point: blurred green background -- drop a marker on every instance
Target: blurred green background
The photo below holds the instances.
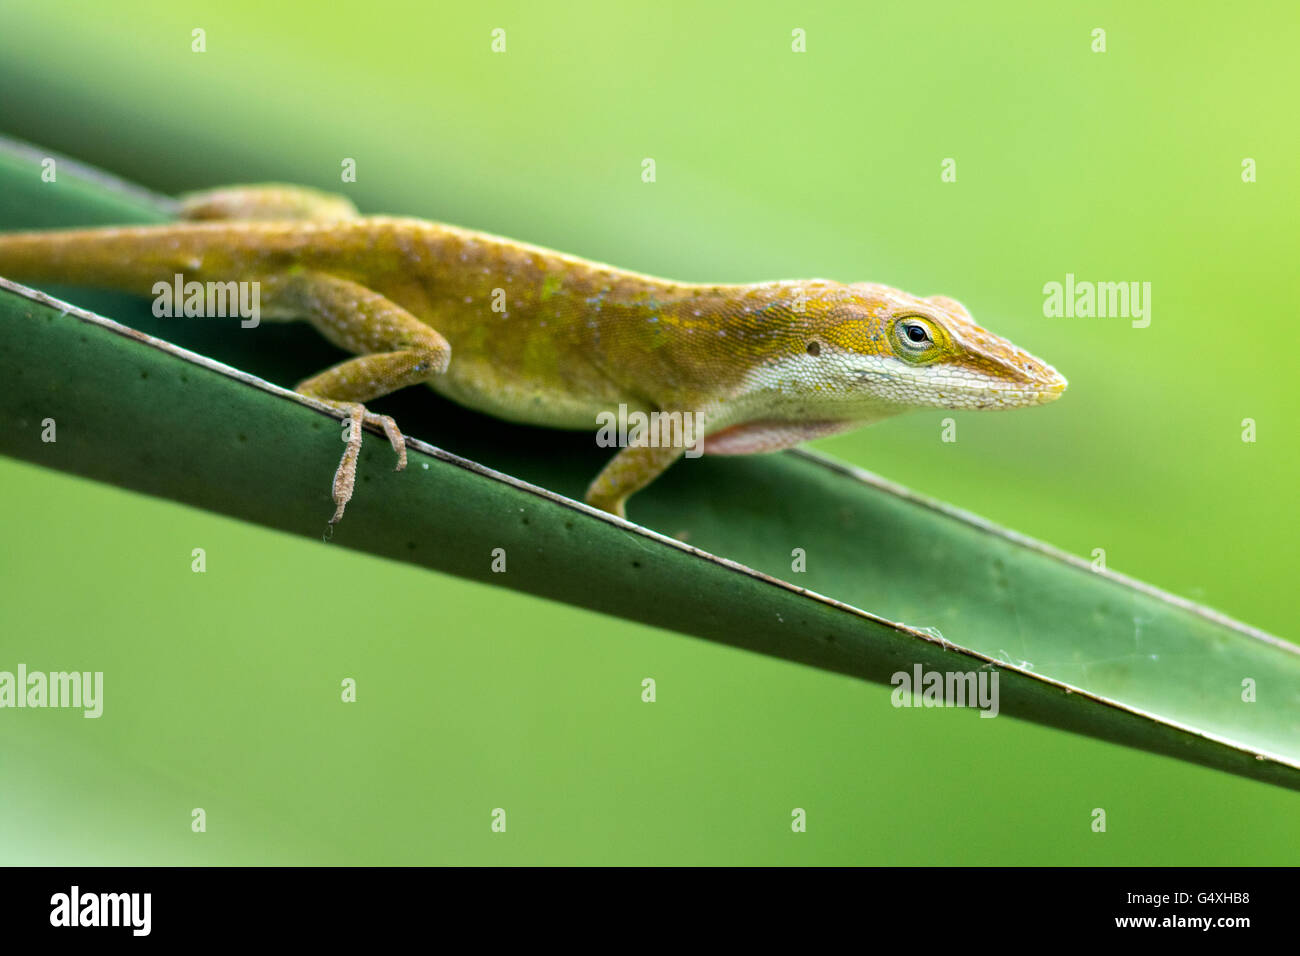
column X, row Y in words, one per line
column 222, row 688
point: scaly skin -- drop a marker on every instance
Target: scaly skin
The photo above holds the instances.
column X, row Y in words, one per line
column 766, row 365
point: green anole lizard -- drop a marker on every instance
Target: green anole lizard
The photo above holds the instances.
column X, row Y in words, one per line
column 530, row 335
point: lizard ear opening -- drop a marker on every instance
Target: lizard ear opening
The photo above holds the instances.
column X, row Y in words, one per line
column 814, row 348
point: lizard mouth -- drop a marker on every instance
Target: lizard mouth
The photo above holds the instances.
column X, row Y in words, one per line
column 992, row 396
column 1032, row 384
column 947, row 387
column 1054, row 386
column 1019, row 396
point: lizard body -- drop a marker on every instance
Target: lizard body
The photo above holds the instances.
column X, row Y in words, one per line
column 536, row 336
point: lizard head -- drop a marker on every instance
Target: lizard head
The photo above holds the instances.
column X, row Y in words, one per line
column 881, row 347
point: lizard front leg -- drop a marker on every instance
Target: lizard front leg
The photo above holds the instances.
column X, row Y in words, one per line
column 628, row 472
column 396, row 350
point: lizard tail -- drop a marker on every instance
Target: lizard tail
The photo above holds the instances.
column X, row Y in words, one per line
column 128, row 259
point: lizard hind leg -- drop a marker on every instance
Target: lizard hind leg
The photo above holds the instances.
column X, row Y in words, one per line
column 394, row 349
column 269, row 201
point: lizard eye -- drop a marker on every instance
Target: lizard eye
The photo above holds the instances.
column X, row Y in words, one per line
column 915, row 339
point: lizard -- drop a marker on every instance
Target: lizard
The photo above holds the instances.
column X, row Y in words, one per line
column 535, row 336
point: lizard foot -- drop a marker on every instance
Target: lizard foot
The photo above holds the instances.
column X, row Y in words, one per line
column 345, row 478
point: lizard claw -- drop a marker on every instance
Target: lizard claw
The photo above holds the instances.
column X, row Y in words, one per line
column 345, row 477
